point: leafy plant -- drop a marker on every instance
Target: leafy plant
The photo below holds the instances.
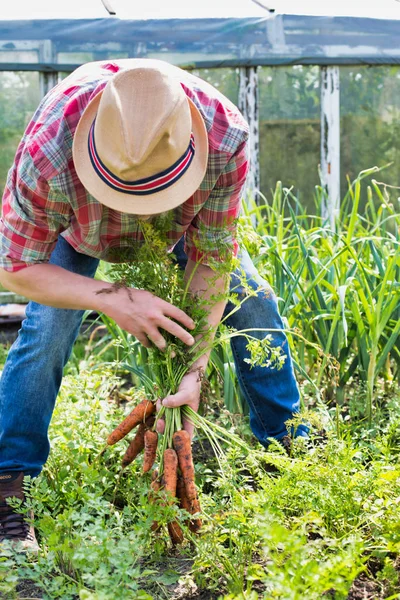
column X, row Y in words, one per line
column 339, row 288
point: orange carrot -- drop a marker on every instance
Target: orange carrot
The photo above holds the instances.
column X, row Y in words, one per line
column 181, row 494
column 191, row 507
column 195, row 524
column 182, row 444
column 150, row 450
column 144, row 409
column 175, row 532
column 135, row 447
column 170, row 479
column 170, row 471
column 155, row 488
column 138, row 442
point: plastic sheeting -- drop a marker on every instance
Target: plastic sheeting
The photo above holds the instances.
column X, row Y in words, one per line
column 272, row 40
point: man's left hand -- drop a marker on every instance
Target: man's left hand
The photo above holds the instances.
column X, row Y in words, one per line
column 188, row 393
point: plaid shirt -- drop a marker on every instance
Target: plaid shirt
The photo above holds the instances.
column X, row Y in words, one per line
column 44, row 198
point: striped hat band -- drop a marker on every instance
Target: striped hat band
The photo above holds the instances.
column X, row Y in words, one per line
column 148, row 185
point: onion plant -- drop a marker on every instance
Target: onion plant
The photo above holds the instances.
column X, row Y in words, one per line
column 339, row 287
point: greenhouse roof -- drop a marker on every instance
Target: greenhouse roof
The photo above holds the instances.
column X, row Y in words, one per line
column 270, row 39
column 160, row 9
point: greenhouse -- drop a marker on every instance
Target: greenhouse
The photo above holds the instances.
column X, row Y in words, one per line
column 200, row 367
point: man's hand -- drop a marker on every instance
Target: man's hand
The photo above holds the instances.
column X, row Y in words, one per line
column 188, row 393
column 143, row 314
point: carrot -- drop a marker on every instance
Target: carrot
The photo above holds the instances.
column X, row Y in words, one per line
column 144, row 409
column 170, row 479
column 195, row 524
column 138, row 442
column 135, row 447
column 150, row 450
column 182, row 444
column 181, row 494
column 155, row 488
column 191, row 507
column 170, row 471
column 175, row 532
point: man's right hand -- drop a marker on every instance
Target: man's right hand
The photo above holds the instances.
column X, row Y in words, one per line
column 142, row 314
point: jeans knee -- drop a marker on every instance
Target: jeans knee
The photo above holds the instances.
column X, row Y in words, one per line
column 49, row 330
column 258, row 305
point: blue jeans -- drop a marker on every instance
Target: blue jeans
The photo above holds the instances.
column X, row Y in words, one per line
column 33, row 371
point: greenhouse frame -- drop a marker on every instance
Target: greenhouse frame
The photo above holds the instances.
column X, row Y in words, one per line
column 247, row 48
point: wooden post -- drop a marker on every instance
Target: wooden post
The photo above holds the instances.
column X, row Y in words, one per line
column 330, row 143
column 47, row 55
column 248, row 105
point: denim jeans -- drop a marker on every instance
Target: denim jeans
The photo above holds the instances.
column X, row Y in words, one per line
column 33, row 371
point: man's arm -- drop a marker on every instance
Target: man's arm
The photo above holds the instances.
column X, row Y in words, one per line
column 211, row 236
column 137, row 311
column 208, row 285
column 204, row 283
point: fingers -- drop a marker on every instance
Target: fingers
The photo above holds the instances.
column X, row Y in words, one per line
column 147, row 315
column 156, row 338
column 176, row 330
column 176, row 313
column 144, row 340
column 178, row 399
column 160, row 425
column 189, row 427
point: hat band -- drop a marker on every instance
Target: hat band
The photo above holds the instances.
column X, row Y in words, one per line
column 148, row 185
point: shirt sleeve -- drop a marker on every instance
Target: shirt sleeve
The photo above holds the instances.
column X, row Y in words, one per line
column 33, row 216
column 212, row 234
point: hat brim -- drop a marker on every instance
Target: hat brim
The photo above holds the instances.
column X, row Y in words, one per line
column 150, row 204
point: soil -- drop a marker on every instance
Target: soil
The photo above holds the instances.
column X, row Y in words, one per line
column 365, row 589
column 26, row 589
column 202, row 451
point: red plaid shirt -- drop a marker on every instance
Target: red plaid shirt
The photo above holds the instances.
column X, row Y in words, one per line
column 44, row 198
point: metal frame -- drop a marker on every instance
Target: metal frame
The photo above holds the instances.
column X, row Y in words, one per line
column 248, row 105
column 47, row 80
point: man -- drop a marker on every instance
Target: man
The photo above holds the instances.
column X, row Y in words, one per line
column 112, row 143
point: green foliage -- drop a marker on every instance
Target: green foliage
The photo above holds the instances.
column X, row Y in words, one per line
column 274, row 526
column 148, row 265
column 19, row 96
column 289, row 105
column 339, row 289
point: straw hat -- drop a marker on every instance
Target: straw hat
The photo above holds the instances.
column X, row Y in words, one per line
column 141, row 145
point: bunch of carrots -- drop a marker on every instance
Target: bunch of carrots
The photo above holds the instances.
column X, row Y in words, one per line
column 153, row 269
column 175, row 476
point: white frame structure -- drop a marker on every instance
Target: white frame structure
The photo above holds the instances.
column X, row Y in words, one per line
column 330, row 143
column 330, row 135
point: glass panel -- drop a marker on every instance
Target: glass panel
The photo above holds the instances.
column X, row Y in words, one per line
column 77, row 58
column 18, row 56
column 289, row 103
column 74, row 58
column 370, row 122
column 19, row 97
column 225, row 80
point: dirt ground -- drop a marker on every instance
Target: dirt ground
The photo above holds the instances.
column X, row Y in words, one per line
column 361, row 589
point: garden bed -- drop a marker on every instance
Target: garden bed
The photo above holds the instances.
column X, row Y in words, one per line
column 317, row 520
